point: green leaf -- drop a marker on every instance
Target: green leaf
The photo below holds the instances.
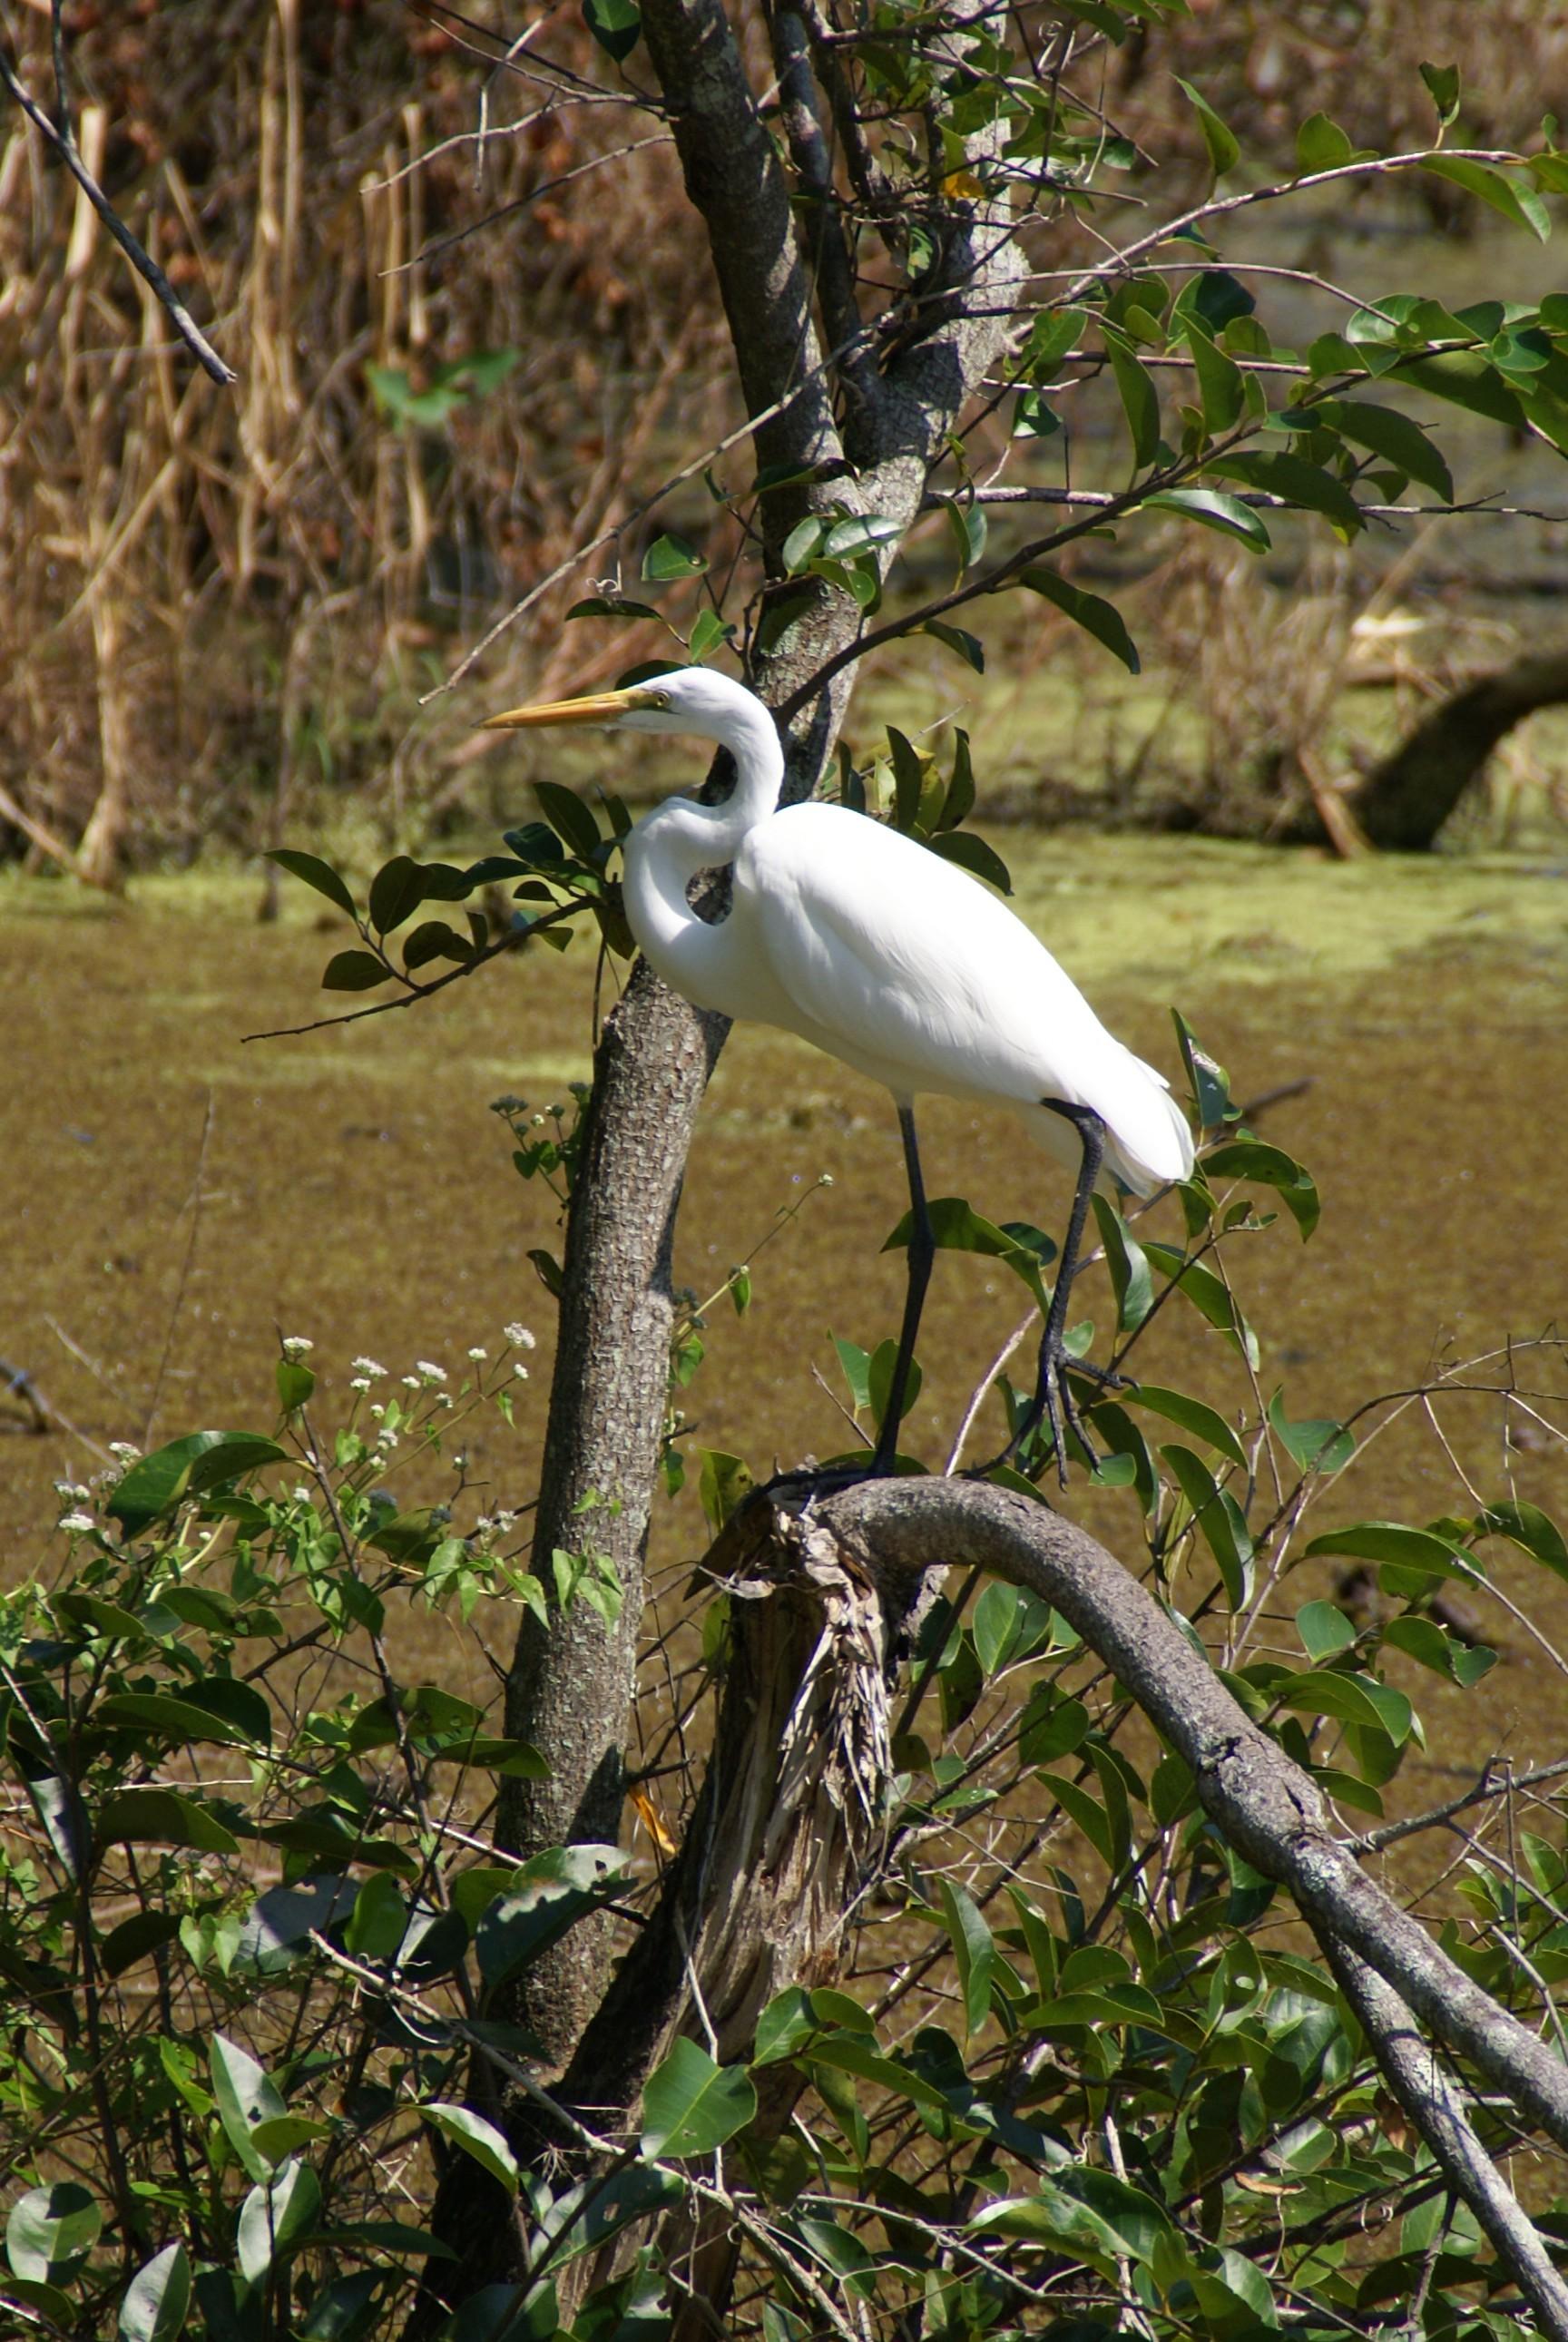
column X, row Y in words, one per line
column 475, row 2136
column 162, row 1817
column 50, row 2230
column 1132, row 1281
column 353, row 971
column 957, row 1226
column 615, row 25
column 860, row 533
column 1208, row 1295
column 1251, row 1158
column 157, row 2297
column 1221, row 387
column 1217, row 510
column 1322, row 144
column 972, row 853
column 245, row 2097
column 723, row 1485
column 564, row 810
column 959, row 803
column 1054, row 333
column 1528, row 1527
column 969, row 647
column 1406, row 1548
column 1096, row 617
column 610, row 605
column 1442, row 84
column 395, row 893
column 1425, row 1641
column 691, row 2104
column 671, row 559
column 316, row 873
column 856, row 1364
column 966, row 526
column 169, row 1718
column 1219, row 1520
column 1193, row 1416
column 273, row 2217
column 785, row 2024
column 1356, row 1699
column 1393, row 436
column 548, row 1895
column 1521, row 204
column 134, row 1939
column 1298, row 481
column 1140, row 400
column 1225, row 153
column 187, row 1468
column 999, row 1617
column 1324, row 1630
column 709, row 633
column 1315, row 1445
column 908, row 769
column 1467, row 379
column 802, row 544
column 973, row 1950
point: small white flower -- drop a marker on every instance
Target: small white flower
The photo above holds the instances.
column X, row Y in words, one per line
column 73, row 1491
column 484, row 1525
column 294, row 1346
column 478, row 1352
column 826, row 1179
column 504, row 1520
column 378, row 1411
column 428, row 1372
column 123, row 1450
column 386, row 1438
column 368, row 1367
column 77, row 1523
column 303, row 1494
column 410, row 1382
column 444, row 1398
column 518, row 1335
column 520, row 1370
column 359, row 1382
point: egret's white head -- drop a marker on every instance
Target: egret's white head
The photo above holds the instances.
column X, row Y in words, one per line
column 690, row 699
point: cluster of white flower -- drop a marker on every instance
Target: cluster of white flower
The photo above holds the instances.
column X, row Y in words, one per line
column 76, row 1523
column 428, row 1372
column 386, row 1438
column 368, row 1367
column 294, row 1346
column 478, row 1352
column 124, row 1451
column 518, row 1335
column 73, row 1491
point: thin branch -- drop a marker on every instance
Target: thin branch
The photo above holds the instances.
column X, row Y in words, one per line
column 62, row 138
column 1488, row 1787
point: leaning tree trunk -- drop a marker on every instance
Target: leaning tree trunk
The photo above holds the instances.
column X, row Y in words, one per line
column 1403, row 801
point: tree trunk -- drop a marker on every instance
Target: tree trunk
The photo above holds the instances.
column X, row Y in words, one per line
column 1403, row 801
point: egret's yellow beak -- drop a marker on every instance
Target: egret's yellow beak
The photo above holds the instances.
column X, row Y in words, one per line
column 595, row 708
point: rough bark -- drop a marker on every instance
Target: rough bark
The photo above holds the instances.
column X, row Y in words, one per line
column 1404, row 801
column 570, row 1688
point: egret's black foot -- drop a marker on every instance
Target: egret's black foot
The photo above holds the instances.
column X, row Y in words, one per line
column 1054, row 1404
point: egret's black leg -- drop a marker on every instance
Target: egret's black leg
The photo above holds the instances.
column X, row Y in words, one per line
column 922, row 1253
column 1052, row 1401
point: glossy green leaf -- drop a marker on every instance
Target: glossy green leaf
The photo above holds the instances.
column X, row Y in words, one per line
column 691, row 2104
column 1220, row 1521
column 1408, row 1548
column 1221, row 388
column 1225, row 153
column 1443, row 86
column 617, row 26
column 354, row 971
column 1467, row 379
column 1519, row 204
column 162, row 1817
column 169, row 1716
column 1132, row 1280
column 1208, row 1295
column 1324, row 1630
column 973, row 1950
column 802, row 542
column 396, row 891
column 1091, row 611
column 476, row 2137
column 569, row 818
column 1322, row 144
column 1140, row 400
column 785, row 2026
column 1386, row 433
column 245, row 2097
column 1191, row 1415
column 158, row 2297
column 136, row 1938
column 1213, row 508
column 610, row 605
column 972, row 853
column 1356, row 1699
column 314, row 873
column 709, row 633
column 273, row 2216
column 1526, row 1526
column 1315, row 1445
column 1253, row 1158
column 957, row 1226
column 969, row 647
column 50, row 2230
column 1295, row 482
column 670, row 558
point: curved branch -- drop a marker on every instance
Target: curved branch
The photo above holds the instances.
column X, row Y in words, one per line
column 1266, row 1805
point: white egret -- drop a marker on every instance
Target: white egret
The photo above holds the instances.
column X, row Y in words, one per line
column 884, row 955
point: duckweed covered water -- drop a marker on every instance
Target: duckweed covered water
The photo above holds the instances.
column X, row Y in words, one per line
column 177, row 1198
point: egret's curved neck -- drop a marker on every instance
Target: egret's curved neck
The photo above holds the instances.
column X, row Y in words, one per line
column 667, row 849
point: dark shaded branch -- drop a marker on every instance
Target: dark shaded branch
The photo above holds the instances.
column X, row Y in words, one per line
column 1437, row 2112
column 1404, row 801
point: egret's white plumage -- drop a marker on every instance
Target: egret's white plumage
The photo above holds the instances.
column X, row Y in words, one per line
column 874, row 948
